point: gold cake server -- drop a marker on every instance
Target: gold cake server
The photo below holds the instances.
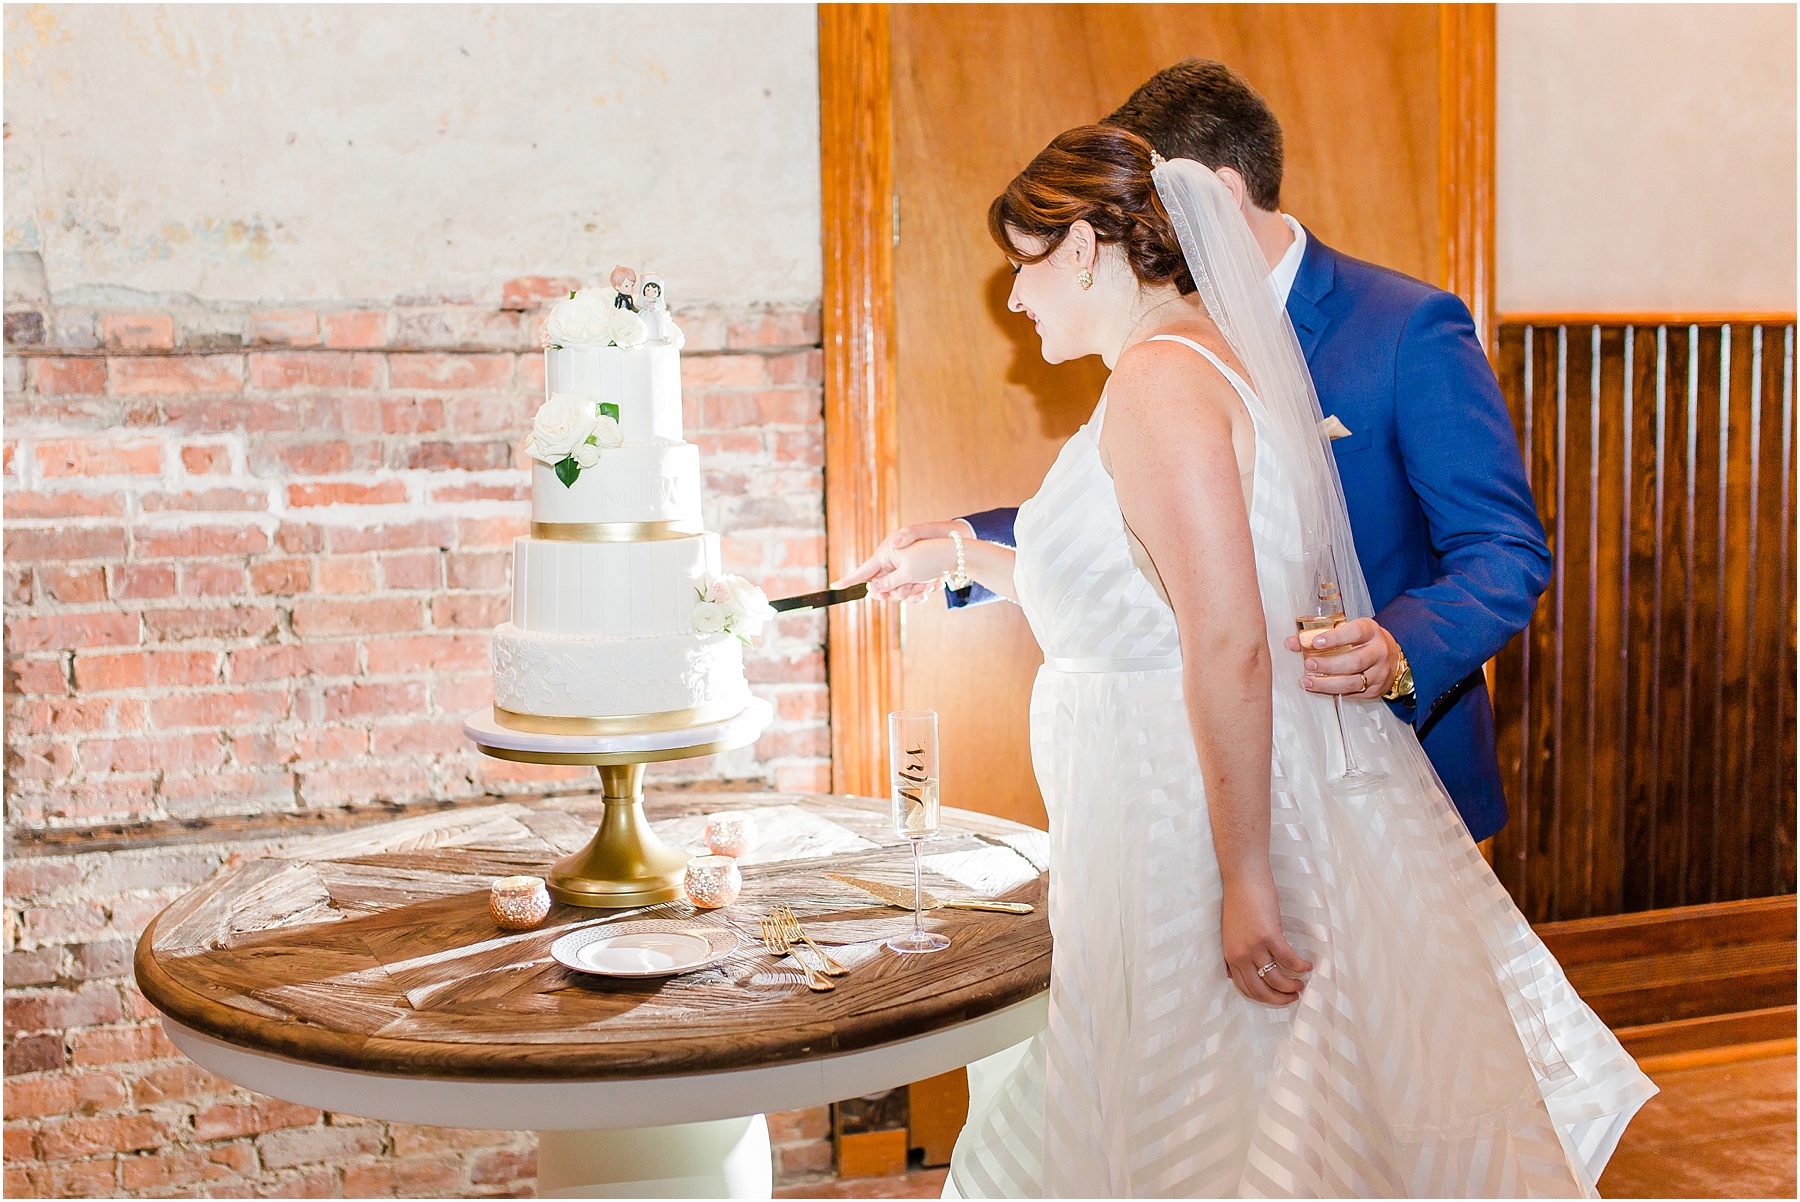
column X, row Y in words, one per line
column 901, row 896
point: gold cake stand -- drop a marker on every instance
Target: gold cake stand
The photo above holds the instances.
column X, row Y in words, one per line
column 625, row 863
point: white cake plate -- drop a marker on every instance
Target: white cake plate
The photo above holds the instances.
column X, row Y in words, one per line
column 624, row 864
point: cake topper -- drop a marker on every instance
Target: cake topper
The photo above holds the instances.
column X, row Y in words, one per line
column 625, row 283
column 650, row 293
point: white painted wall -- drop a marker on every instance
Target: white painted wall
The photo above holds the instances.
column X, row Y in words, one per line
column 1645, row 157
column 239, row 152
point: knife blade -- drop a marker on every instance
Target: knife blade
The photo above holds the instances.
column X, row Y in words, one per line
column 819, row 600
column 898, row 895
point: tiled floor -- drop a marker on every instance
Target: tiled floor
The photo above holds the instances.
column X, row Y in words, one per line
column 1725, row 1131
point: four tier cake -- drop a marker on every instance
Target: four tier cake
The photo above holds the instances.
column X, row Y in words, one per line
column 621, row 619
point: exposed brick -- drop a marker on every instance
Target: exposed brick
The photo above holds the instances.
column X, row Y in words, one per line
column 503, row 1166
column 66, row 542
column 82, row 714
column 56, row 1009
column 803, row 778
column 68, row 1139
column 44, row 677
column 478, row 569
column 803, row 704
column 348, row 539
column 176, row 373
column 342, row 786
column 168, row 752
column 346, row 574
column 286, row 660
column 99, row 457
column 800, row 1126
column 35, row 1053
column 373, row 700
column 427, row 653
column 285, row 327
column 311, row 1145
column 64, row 631
column 388, row 492
column 70, row 585
column 281, row 577
column 69, row 377
column 213, row 579
column 417, row 1177
column 702, row 372
column 138, row 331
column 210, row 500
column 533, row 291
column 312, row 458
column 464, row 610
column 64, row 503
column 313, row 618
column 235, row 622
column 30, row 877
column 356, row 328
column 432, row 370
column 205, row 460
column 223, row 708
column 81, row 1179
column 490, row 532
column 79, row 1093
column 137, row 669
column 171, row 1166
column 100, row 960
column 219, row 414
column 24, row 328
column 418, row 738
column 40, row 967
column 134, row 581
column 801, row 367
column 286, row 370
column 441, row 456
column 166, row 542
column 121, row 1045
column 411, row 415
column 776, row 327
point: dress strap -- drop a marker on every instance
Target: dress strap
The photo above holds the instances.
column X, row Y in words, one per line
column 1236, row 380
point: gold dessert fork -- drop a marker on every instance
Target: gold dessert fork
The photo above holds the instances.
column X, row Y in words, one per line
column 790, row 923
column 776, row 941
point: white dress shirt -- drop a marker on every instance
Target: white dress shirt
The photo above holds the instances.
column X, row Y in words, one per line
column 1281, row 279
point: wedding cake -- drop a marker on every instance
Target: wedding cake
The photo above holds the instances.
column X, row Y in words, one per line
column 621, row 618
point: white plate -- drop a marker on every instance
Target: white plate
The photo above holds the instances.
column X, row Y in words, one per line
column 644, row 949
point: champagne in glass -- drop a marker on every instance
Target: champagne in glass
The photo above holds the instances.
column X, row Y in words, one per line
column 1325, row 611
column 913, row 788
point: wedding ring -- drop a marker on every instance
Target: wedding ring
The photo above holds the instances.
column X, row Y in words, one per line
column 1364, row 677
column 1266, row 969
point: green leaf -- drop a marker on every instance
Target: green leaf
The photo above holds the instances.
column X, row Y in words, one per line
column 568, row 471
column 571, row 294
column 608, row 409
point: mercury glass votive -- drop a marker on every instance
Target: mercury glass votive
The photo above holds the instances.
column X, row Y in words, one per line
column 730, row 834
column 518, row 903
column 712, row 881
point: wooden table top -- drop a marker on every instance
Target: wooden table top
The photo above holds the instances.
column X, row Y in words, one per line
column 373, row 949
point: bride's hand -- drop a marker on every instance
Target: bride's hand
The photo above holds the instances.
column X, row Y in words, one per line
column 1253, row 938
column 901, row 569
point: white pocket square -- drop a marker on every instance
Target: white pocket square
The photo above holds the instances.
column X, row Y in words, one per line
column 1333, row 429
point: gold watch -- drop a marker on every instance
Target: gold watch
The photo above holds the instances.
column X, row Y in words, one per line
column 1403, row 680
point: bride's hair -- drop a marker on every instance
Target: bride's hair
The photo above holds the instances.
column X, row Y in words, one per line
column 1099, row 174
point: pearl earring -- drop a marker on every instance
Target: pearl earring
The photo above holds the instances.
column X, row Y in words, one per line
column 1085, row 278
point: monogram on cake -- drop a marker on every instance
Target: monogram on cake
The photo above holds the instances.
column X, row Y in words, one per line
column 622, row 621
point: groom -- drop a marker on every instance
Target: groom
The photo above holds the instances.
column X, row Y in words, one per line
column 1439, row 502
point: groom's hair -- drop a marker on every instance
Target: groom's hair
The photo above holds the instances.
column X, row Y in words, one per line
column 1203, row 110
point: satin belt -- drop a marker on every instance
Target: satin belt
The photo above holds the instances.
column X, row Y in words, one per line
column 1143, row 663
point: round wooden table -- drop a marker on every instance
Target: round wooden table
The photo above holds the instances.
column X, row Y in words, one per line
column 360, row 973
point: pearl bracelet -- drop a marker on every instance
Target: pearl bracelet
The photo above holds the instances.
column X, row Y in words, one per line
column 959, row 579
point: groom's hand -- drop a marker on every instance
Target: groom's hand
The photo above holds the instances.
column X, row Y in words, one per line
column 1360, row 660
column 879, row 569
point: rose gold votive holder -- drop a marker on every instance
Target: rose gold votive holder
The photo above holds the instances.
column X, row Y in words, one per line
column 712, row 881
column 730, row 834
column 518, row 903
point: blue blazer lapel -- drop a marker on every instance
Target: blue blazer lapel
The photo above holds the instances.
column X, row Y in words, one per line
column 1314, row 281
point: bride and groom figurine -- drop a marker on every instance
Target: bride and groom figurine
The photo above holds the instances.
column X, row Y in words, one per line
column 643, row 295
column 1265, row 981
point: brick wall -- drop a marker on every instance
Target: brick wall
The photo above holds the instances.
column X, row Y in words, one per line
column 252, row 559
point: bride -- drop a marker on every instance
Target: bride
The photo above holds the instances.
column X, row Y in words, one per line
column 1271, row 977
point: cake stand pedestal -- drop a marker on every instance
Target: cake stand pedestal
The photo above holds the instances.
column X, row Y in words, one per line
column 624, row 864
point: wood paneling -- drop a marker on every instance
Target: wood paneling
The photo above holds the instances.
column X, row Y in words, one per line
column 862, row 500
column 1646, row 716
column 1466, row 159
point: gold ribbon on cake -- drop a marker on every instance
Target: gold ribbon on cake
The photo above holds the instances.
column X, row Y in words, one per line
column 614, row 532
column 617, row 724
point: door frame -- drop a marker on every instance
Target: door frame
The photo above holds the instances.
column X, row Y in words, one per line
column 862, row 428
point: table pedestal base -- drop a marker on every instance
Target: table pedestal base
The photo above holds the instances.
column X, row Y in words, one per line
column 728, row 1158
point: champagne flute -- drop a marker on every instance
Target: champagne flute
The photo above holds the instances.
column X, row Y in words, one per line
column 913, row 788
column 1325, row 611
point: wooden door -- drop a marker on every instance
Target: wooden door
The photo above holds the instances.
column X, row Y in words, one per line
column 976, row 91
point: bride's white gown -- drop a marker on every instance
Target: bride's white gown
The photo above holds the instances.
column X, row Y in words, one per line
column 1437, row 1049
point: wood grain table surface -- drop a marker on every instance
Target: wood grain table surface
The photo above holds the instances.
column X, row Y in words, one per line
column 373, row 949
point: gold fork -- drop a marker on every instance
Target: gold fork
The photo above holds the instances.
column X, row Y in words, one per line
column 776, row 941
column 790, row 923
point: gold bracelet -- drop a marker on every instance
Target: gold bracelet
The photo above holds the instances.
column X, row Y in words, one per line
column 959, row 579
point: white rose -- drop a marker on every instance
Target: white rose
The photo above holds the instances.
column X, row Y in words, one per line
column 626, row 329
column 585, row 319
column 562, row 423
column 748, row 605
column 607, row 432
column 718, row 591
column 709, row 617
column 586, row 455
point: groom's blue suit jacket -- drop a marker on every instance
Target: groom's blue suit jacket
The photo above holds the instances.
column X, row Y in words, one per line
column 1439, row 501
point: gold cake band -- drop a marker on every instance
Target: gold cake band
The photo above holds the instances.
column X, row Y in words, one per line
column 614, row 532
column 619, row 724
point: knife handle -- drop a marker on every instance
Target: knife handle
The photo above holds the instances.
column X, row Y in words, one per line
column 996, row 907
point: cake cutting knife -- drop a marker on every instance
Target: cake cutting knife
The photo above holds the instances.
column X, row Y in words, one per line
column 896, row 895
column 830, row 596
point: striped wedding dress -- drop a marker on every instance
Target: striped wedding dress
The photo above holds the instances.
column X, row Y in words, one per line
column 1436, row 1050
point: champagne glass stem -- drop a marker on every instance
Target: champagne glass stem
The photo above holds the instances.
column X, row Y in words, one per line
column 1351, row 767
column 917, row 894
